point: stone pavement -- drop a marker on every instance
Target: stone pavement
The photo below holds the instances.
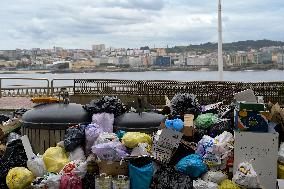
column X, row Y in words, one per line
column 13, row 103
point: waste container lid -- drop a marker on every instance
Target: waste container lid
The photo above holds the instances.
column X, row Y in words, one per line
column 57, row 114
column 135, row 121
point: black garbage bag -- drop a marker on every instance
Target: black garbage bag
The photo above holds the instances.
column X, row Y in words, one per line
column 199, row 133
column 15, row 156
column 185, row 104
column 166, row 177
column 279, row 129
column 89, row 181
column 219, row 127
column 108, row 104
column 3, row 118
column 19, row 112
column 74, row 137
column 182, row 151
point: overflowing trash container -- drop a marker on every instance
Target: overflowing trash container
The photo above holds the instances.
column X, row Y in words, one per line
column 107, row 145
column 46, row 124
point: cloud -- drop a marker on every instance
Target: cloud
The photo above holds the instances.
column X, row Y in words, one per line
column 133, row 23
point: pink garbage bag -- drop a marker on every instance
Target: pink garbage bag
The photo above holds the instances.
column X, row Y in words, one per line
column 110, row 151
column 105, row 121
column 70, row 181
column 92, row 132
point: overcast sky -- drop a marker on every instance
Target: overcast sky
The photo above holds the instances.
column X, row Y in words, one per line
column 135, row 23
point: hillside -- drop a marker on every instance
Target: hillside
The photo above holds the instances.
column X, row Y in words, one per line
column 234, row 46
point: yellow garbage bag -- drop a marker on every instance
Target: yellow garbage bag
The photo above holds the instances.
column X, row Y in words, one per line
column 19, row 178
column 228, row 184
column 280, row 171
column 55, row 158
column 132, row 139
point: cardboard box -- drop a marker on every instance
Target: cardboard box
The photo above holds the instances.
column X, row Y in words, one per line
column 188, row 129
column 250, row 106
column 251, row 120
column 280, row 183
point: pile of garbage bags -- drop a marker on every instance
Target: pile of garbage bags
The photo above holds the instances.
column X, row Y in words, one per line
column 107, row 104
column 98, row 156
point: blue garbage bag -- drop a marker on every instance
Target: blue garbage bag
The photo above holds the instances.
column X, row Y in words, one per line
column 141, row 177
column 192, row 165
column 120, row 134
column 176, row 124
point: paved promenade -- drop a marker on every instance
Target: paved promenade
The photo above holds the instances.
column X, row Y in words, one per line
column 12, row 103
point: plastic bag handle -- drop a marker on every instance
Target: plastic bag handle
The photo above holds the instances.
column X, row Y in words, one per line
column 121, row 177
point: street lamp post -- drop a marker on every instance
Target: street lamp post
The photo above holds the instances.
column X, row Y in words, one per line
column 220, row 42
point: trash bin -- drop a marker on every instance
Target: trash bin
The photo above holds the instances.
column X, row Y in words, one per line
column 45, row 125
column 139, row 122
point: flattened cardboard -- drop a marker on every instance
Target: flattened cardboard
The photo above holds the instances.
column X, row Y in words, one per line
column 27, row 147
column 247, row 96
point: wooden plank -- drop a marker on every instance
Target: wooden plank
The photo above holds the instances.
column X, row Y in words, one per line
column 57, row 136
column 52, row 140
column 44, row 137
column 37, row 138
column 33, row 138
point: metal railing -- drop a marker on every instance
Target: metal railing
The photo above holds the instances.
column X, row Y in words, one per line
column 24, row 91
column 154, row 90
column 54, row 90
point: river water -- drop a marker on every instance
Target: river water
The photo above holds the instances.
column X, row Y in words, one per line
column 244, row 76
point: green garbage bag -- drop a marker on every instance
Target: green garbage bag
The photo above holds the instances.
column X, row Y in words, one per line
column 205, row 121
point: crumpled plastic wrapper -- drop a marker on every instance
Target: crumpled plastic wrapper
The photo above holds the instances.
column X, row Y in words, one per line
column 12, row 136
column 214, row 176
column 105, row 138
column 77, row 154
column 76, row 167
column 36, row 166
column 215, row 151
column 185, row 104
column 50, row 181
column 140, row 150
column 281, row 153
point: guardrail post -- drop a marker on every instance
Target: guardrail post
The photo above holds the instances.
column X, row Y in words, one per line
column 0, row 88
column 48, row 88
column 51, row 88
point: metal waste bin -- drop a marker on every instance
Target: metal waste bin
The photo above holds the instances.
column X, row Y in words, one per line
column 147, row 122
column 46, row 125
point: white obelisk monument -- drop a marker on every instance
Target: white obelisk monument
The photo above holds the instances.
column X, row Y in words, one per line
column 220, row 41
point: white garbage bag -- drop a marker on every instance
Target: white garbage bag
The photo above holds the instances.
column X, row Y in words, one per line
column 201, row 184
column 245, row 176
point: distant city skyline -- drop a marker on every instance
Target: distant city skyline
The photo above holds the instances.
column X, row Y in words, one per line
column 135, row 23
